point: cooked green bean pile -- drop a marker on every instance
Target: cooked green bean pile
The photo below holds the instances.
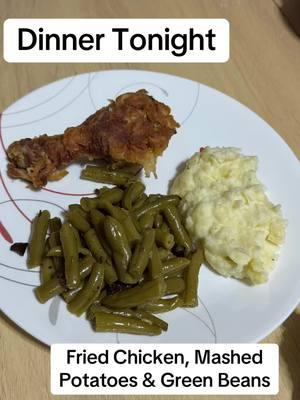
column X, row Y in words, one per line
column 119, row 257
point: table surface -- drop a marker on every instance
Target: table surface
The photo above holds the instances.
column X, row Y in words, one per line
column 262, row 73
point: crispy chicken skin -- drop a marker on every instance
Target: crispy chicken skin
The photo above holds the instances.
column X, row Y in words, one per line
column 134, row 128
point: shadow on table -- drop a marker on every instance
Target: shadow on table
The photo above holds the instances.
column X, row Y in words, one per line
column 290, row 14
column 290, row 351
column 20, row 331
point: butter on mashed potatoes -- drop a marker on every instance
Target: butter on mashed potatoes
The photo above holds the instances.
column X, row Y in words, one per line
column 225, row 206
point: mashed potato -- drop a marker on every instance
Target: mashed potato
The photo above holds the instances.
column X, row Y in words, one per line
column 225, row 206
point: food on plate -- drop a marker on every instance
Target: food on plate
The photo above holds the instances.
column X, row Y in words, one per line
column 135, row 128
column 37, row 242
column 225, row 207
column 118, row 257
column 105, row 174
column 19, row 248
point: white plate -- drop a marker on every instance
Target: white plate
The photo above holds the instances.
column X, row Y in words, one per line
column 229, row 311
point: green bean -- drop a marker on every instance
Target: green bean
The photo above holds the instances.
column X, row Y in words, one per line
column 71, row 294
column 146, row 221
column 90, row 291
column 116, row 237
column 94, row 308
column 147, row 317
column 88, row 204
column 101, row 296
column 69, row 247
column 100, row 191
column 38, row 239
column 174, row 198
column 97, row 217
column 106, row 322
column 126, row 312
column 123, row 275
column 132, row 193
column 154, row 196
column 80, row 210
column 164, row 227
column 164, row 254
column 49, row 289
column 156, row 205
column 54, row 286
column 54, row 224
column 85, row 266
column 175, row 285
column 132, row 169
column 110, row 275
column 84, row 251
column 136, row 222
column 124, row 218
column 181, row 236
column 139, row 202
column 47, row 247
column 140, row 294
column 163, row 305
column 132, row 232
column 158, row 221
column 120, row 236
column 55, row 251
column 47, row 270
column 142, row 252
column 112, row 196
column 103, row 241
column 95, row 246
column 127, row 278
column 174, row 265
column 191, row 279
column 164, row 239
column 140, row 314
column 77, row 237
column 154, row 263
column 78, row 221
column 54, row 240
column 102, row 175
column 118, row 242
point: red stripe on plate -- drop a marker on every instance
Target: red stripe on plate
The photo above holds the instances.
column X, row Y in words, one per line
column 2, row 180
column 5, row 233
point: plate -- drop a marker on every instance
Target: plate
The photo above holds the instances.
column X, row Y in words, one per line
column 228, row 311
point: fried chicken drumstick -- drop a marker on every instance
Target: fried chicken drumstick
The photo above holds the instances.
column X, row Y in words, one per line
column 135, row 128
